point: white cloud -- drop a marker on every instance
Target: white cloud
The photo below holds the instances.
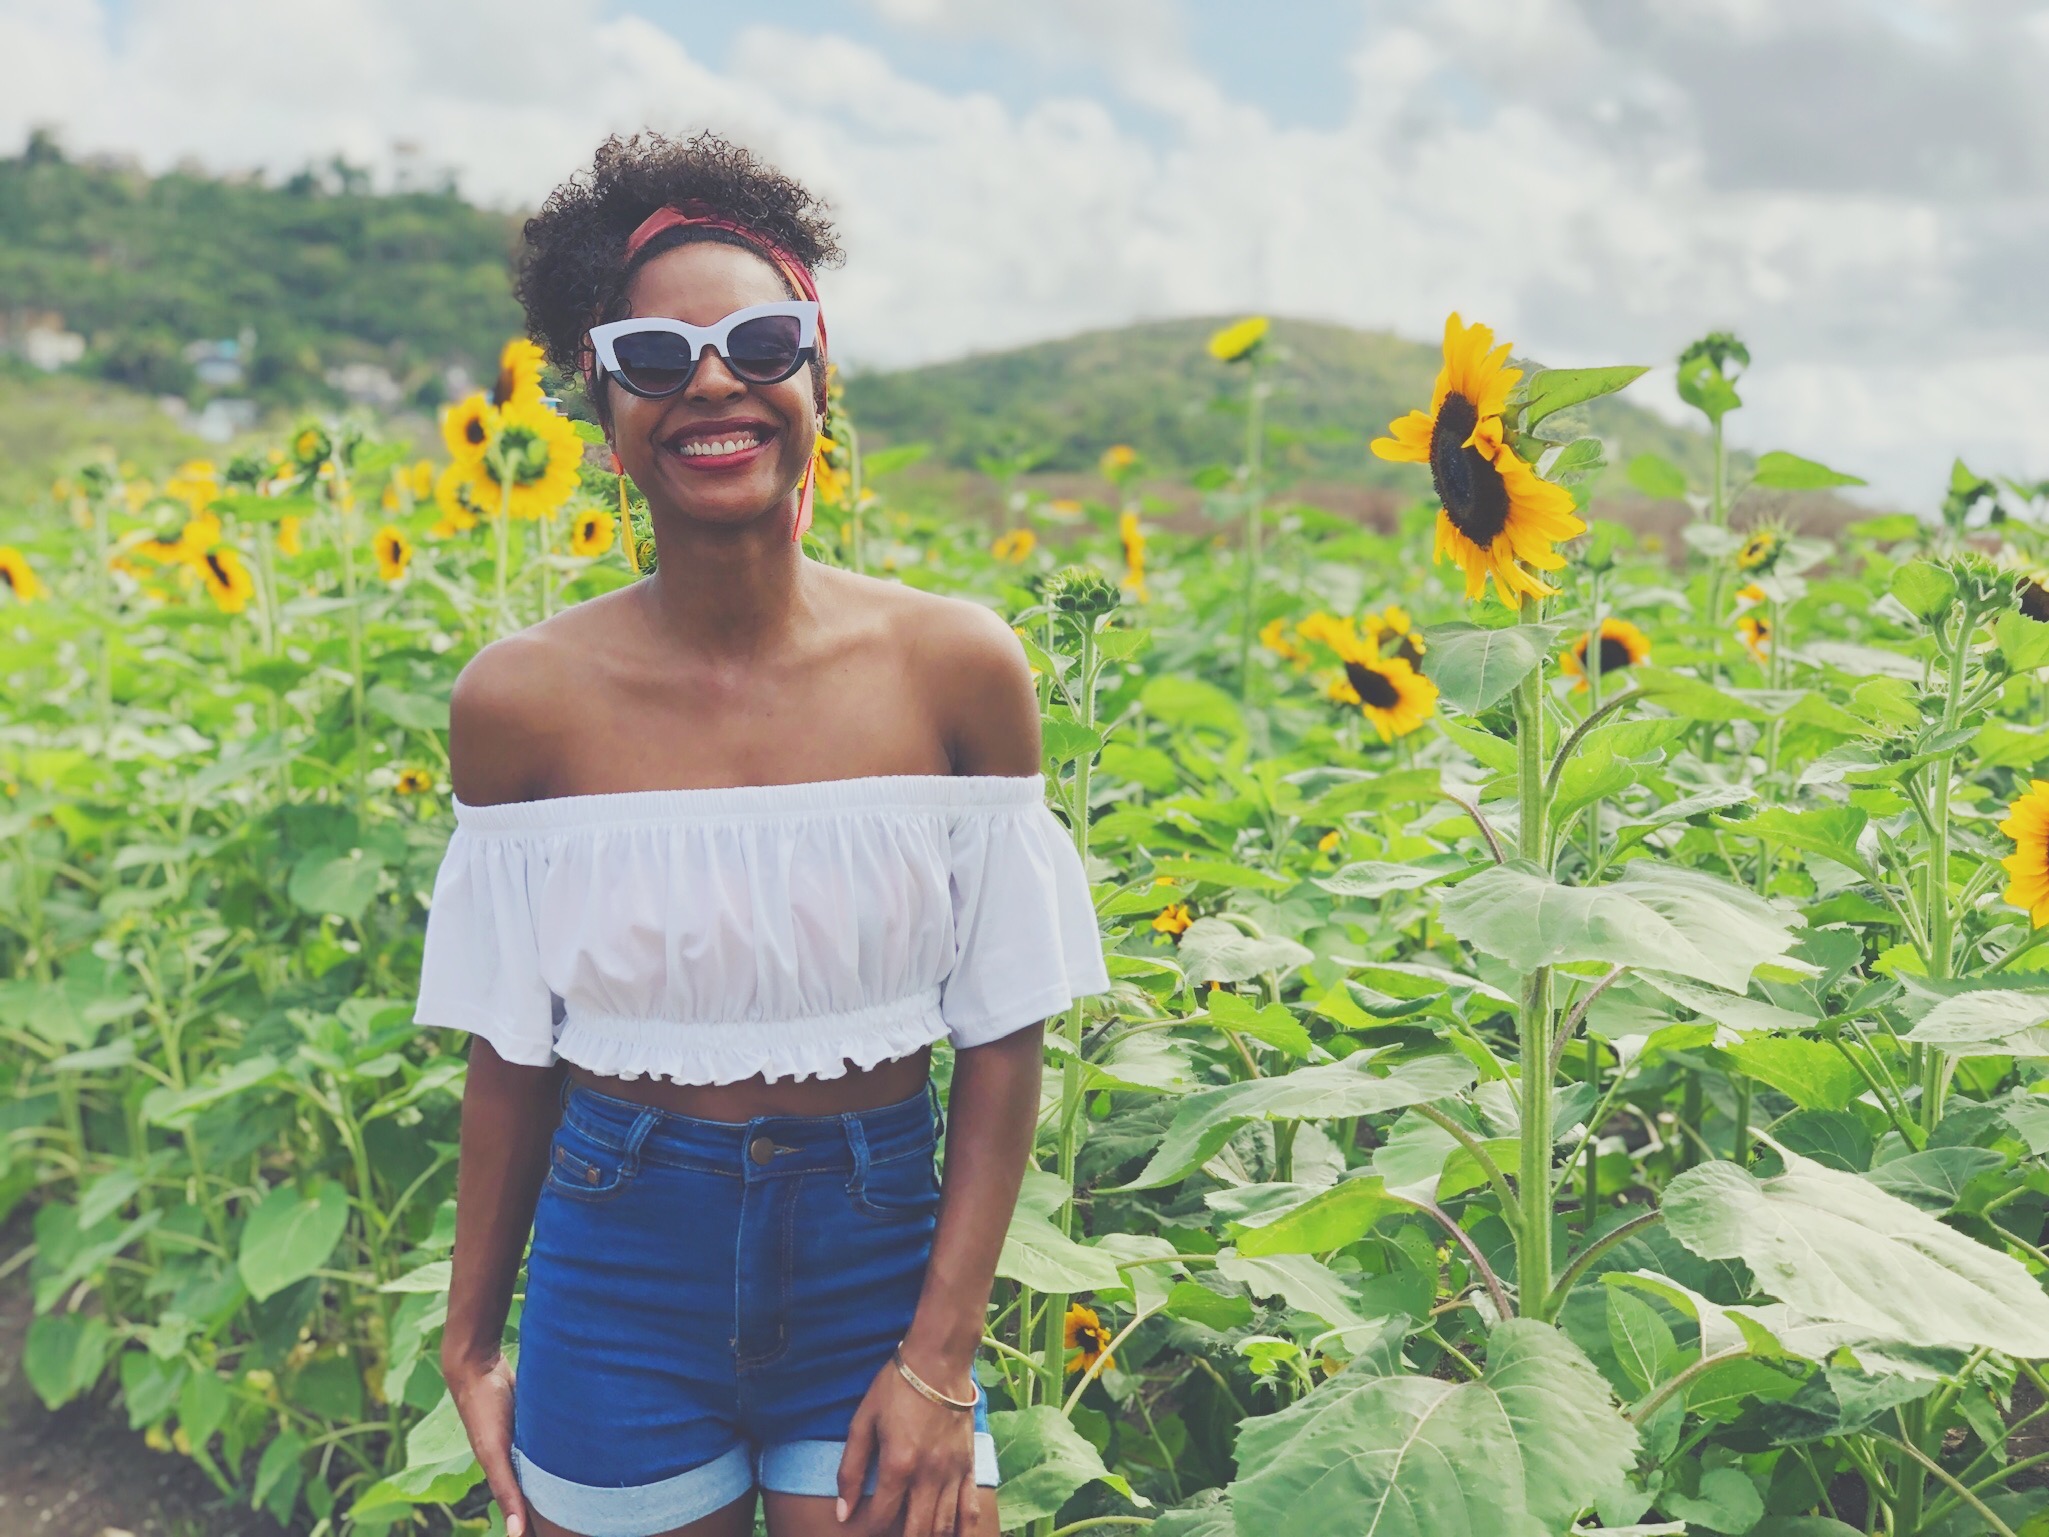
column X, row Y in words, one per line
column 1861, row 188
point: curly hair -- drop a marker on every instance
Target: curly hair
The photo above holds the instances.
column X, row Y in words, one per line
column 573, row 271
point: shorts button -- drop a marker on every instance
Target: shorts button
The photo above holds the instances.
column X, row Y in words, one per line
column 761, row 1149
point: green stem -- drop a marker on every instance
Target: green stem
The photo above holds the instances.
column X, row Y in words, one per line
column 1533, row 1033
column 345, row 503
column 1254, row 493
column 1055, row 1367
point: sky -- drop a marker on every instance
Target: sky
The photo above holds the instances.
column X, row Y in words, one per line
column 1859, row 188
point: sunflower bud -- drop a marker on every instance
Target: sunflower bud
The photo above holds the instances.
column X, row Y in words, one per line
column 1082, row 591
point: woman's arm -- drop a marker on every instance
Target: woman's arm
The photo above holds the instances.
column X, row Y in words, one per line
column 924, row 1450
column 508, row 1119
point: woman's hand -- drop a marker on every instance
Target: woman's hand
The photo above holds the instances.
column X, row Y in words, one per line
column 925, row 1464
column 483, row 1397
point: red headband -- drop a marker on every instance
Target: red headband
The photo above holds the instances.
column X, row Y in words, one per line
column 696, row 215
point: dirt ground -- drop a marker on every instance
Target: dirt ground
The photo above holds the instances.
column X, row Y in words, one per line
column 81, row 1472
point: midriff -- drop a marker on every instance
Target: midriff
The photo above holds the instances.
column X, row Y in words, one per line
column 887, row 1083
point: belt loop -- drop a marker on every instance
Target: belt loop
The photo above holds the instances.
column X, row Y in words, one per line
column 643, row 1123
column 857, row 1144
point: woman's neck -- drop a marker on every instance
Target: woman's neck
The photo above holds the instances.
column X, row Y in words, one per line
column 735, row 592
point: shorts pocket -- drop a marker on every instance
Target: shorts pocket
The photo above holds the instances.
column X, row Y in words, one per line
column 899, row 1188
column 582, row 1170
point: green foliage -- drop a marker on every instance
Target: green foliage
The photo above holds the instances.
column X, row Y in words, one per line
column 1616, row 1103
column 321, row 270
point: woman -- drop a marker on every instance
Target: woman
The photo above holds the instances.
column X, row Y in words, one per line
column 735, row 846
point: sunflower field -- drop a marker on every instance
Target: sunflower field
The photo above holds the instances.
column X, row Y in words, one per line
column 1579, row 1051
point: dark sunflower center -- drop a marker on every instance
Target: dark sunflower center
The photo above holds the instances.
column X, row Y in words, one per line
column 7, row 576
column 501, row 390
column 1613, row 654
column 2035, row 601
column 219, row 569
column 1468, row 485
column 473, row 430
column 1372, row 686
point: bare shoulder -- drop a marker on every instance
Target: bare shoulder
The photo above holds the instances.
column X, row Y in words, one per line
column 966, row 659
column 517, row 700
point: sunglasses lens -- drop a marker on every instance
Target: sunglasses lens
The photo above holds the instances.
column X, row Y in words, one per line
column 653, row 362
column 765, row 350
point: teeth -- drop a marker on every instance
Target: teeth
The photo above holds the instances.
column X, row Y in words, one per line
column 713, row 448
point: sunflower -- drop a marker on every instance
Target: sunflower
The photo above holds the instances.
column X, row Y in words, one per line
column 592, row 533
column 1750, row 593
column 1394, row 620
column 831, row 483
column 1761, row 551
column 1755, row 631
column 1332, row 630
column 197, row 535
column 1622, row 645
column 311, row 447
column 537, row 452
column 1496, row 513
column 1014, row 546
column 519, row 373
column 1172, row 919
column 394, row 552
column 1133, row 539
column 1238, row 341
column 414, row 781
column 1274, row 636
column 1329, row 842
column 421, row 478
column 1087, row 1337
column 452, row 495
column 1118, row 460
column 288, row 536
column 2032, row 597
column 1388, row 691
column 467, row 427
column 226, row 578
column 17, row 575
column 2027, row 823
column 196, row 483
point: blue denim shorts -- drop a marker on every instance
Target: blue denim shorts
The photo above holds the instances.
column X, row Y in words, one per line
column 708, row 1302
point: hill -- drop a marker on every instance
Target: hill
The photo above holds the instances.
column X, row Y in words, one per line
column 191, row 285
column 1059, row 404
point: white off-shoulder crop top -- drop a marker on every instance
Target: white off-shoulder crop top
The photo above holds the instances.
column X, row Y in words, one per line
column 709, row 935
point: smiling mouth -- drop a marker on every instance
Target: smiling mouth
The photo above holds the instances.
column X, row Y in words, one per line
column 726, row 445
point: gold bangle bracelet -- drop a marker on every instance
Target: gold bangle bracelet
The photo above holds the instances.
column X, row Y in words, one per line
column 926, row 1389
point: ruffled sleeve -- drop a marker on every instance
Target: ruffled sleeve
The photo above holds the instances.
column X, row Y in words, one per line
column 481, row 970
column 1026, row 943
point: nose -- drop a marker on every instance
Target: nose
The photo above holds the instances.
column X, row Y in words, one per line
column 711, row 380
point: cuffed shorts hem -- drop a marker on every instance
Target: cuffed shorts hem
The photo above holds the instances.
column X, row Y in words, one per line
column 638, row 1510
column 813, row 1467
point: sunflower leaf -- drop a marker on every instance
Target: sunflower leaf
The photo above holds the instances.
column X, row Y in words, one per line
column 1518, row 1453
column 1987, row 1023
column 1556, row 388
column 1206, row 1120
column 1475, row 668
column 1655, row 918
column 2023, row 642
column 1838, row 1250
column 1781, row 471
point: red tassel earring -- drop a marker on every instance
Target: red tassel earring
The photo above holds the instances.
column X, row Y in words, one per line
column 806, row 491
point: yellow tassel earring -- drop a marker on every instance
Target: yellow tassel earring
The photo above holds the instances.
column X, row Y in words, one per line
column 626, row 538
